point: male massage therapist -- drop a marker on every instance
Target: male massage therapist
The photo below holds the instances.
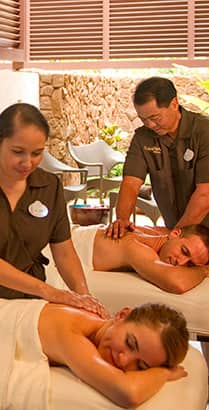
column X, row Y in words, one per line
column 173, row 147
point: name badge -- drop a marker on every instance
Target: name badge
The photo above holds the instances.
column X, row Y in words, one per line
column 38, row 209
column 188, row 155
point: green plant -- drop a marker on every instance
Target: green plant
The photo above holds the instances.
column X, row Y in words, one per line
column 199, row 102
column 112, row 135
column 116, row 171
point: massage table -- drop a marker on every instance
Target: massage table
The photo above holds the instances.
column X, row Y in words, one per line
column 189, row 393
column 27, row 382
column 119, row 289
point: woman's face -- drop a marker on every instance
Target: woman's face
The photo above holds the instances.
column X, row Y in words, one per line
column 131, row 346
column 21, row 154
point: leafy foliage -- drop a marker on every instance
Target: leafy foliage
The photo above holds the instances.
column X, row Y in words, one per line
column 113, row 135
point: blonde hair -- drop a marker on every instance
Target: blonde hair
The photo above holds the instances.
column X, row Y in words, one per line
column 171, row 325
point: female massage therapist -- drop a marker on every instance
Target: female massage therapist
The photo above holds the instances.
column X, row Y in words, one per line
column 33, row 214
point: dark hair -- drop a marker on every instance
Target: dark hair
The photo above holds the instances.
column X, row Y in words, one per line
column 158, row 88
column 21, row 114
column 171, row 325
column 199, row 230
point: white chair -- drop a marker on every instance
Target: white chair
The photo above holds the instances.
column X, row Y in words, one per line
column 99, row 158
column 51, row 164
column 148, row 206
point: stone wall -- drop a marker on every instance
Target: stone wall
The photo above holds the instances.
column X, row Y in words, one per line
column 77, row 106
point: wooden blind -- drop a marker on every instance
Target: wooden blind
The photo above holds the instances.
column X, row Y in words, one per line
column 148, row 29
column 9, row 23
column 201, row 28
column 66, row 29
column 106, row 33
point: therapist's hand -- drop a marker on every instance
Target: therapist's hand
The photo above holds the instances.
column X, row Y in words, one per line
column 93, row 305
column 117, row 229
column 71, row 298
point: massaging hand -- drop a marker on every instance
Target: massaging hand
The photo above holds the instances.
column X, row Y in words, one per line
column 117, row 229
column 176, row 373
column 92, row 304
column 68, row 297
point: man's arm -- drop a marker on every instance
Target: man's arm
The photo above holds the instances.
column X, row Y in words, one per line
column 125, row 389
column 197, row 207
column 129, row 191
column 175, row 279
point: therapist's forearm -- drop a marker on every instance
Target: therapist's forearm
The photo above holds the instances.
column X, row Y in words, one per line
column 74, row 276
column 129, row 191
column 15, row 279
column 196, row 210
column 69, row 266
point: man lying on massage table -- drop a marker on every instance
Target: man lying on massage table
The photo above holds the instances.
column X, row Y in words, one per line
column 173, row 260
column 128, row 358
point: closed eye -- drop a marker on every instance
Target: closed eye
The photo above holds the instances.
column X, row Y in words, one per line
column 185, row 251
column 131, row 342
column 142, row 365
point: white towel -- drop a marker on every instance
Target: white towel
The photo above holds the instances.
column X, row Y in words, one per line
column 83, row 241
column 25, row 373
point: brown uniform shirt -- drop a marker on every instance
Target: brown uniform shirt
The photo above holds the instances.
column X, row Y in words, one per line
column 175, row 167
column 23, row 235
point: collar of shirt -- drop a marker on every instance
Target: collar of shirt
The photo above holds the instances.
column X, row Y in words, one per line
column 184, row 129
column 38, row 178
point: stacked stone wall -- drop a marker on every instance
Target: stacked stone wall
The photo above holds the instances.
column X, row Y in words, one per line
column 77, row 106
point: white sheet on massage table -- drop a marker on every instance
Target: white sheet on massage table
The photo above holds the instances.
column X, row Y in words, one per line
column 119, row 289
column 69, row 393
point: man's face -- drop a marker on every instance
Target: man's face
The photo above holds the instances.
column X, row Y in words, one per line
column 184, row 250
column 131, row 346
column 162, row 120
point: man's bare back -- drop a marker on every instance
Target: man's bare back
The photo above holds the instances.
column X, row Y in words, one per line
column 158, row 255
column 109, row 254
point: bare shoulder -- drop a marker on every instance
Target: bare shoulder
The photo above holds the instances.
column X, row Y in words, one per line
column 57, row 317
column 59, row 324
column 139, row 247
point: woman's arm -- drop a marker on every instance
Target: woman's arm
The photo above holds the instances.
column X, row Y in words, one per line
column 16, row 279
column 69, row 266
column 125, row 389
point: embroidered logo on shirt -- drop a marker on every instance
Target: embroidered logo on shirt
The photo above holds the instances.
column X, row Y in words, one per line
column 38, row 209
column 154, row 149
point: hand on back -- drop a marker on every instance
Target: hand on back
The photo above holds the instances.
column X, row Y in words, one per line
column 117, row 229
column 70, row 298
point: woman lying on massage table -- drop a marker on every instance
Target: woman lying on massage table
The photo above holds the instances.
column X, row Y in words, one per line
column 127, row 358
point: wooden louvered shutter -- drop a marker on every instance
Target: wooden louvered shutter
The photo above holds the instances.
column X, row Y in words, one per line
column 11, row 44
column 201, row 31
column 148, row 29
column 66, row 30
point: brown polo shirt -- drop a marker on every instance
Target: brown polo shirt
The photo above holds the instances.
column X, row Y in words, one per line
column 175, row 167
column 28, row 229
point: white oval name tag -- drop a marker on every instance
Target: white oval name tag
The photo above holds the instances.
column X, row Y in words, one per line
column 188, row 155
column 38, row 209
